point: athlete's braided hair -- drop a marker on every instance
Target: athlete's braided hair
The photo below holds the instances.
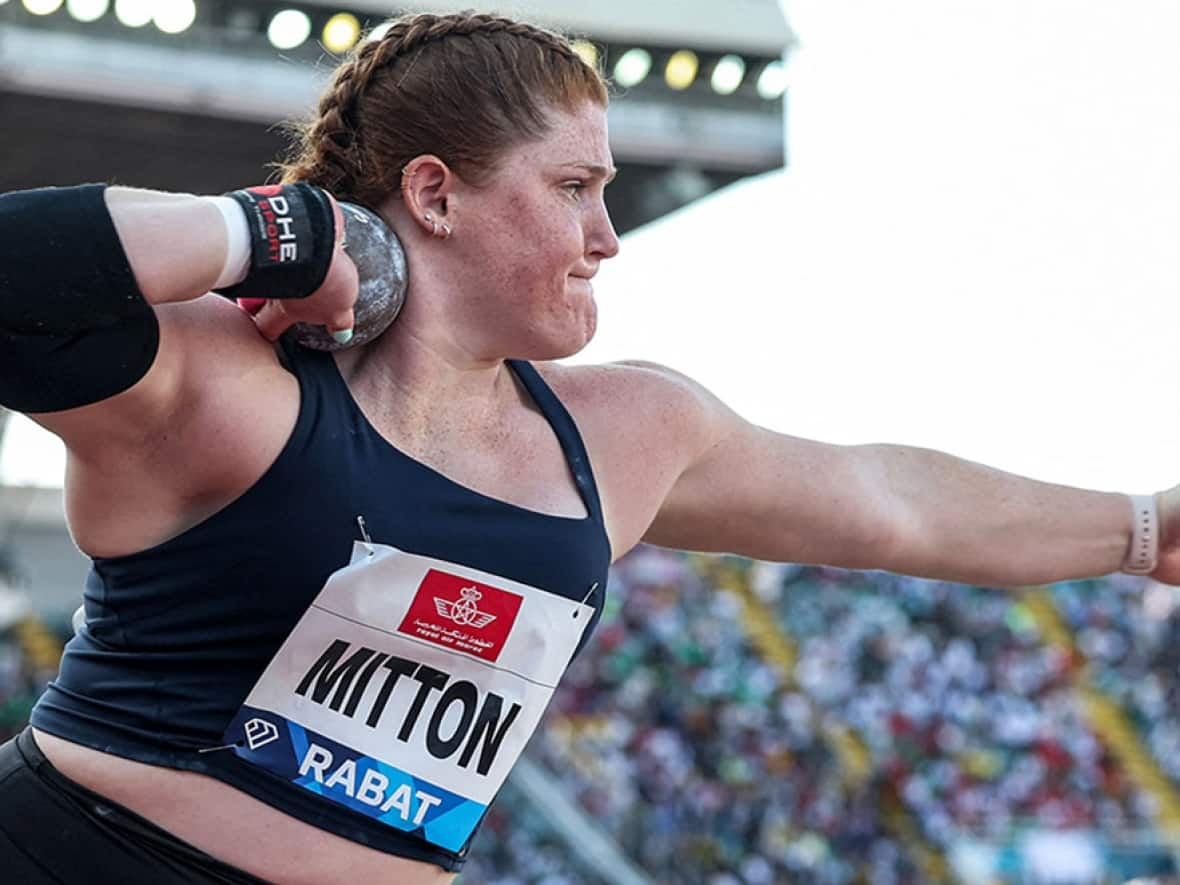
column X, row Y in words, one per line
column 464, row 87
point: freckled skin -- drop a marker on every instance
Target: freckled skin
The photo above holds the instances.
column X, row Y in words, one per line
column 543, row 237
column 514, row 278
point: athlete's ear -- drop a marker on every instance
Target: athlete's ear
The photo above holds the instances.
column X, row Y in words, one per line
column 427, row 190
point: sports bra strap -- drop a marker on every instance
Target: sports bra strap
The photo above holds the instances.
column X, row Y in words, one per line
column 567, row 433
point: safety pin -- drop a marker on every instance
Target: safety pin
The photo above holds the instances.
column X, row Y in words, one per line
column 365, row 539
column 215, row 749
column 586, row 598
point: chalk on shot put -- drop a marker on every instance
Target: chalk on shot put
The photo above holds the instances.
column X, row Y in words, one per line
column 381, row 267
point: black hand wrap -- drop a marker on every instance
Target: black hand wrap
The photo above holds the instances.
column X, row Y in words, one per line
column 74, row 328
column 292, row 236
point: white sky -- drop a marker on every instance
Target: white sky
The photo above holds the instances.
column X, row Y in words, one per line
column 976, row 246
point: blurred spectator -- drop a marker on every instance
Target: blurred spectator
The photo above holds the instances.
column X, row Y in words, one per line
column 28, row 654
column 961, row 703
column 687, row 747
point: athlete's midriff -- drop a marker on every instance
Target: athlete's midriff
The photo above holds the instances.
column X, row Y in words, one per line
column 230, row 825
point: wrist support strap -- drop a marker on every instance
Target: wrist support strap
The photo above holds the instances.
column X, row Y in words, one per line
column 74, row 327
column 1143, row 550
column 237, row 236
column 292, row 237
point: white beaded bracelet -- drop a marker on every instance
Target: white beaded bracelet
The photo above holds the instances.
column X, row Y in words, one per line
column 1145, row 537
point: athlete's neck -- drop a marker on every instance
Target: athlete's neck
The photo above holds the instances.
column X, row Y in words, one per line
column 414, row 380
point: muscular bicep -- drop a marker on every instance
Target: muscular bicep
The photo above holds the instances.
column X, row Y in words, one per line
column 678, row 468
column 771, row 496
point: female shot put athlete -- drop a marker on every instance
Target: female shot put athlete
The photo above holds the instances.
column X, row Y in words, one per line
column 266, row 686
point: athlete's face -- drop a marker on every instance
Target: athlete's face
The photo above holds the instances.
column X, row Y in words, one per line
column 541, row 232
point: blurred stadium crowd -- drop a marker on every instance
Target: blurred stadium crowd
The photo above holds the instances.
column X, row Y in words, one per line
column 912, row 731
column 924, row 731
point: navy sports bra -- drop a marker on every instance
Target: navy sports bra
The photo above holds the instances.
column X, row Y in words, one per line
column 176, row 635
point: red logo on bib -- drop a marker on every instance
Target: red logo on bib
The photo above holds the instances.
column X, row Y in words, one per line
column 461, row 614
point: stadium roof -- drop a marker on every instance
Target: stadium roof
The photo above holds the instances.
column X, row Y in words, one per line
column 756, row 26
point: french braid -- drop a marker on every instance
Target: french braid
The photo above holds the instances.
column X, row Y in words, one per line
column 418, row 90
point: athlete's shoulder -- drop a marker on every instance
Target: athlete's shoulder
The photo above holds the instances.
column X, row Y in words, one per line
column 636, row 382
column 637, row 396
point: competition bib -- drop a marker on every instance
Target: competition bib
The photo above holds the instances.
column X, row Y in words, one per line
column 409, row 688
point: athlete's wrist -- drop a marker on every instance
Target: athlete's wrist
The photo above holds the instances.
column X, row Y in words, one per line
column 291, row 230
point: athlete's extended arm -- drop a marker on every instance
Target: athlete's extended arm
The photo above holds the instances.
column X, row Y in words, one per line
column 747, row 490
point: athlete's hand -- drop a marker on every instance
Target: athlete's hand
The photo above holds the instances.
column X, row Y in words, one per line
column 1168, row 568
column 331, row 305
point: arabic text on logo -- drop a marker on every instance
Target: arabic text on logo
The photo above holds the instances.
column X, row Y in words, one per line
column 462, row 614
column 464, row 611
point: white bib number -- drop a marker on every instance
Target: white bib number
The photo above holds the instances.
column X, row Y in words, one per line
column 409, row 688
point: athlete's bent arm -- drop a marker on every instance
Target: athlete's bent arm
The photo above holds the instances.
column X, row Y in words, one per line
column 95, row 343
column 83, row 273
column 744, row 489
column 168, row 400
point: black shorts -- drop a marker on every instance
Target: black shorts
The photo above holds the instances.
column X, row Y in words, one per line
column 53, row 830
